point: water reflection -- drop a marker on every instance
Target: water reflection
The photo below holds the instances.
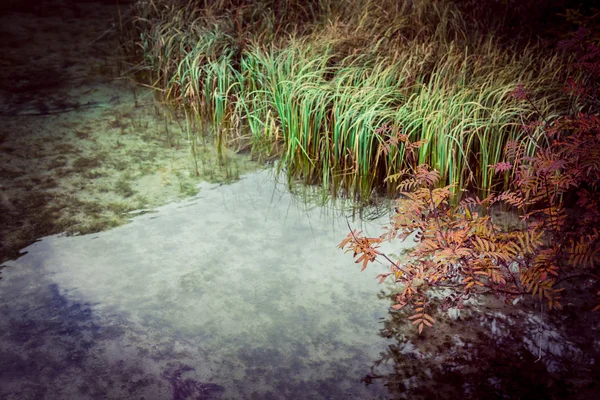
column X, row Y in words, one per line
column 237, row 293
column 480, row 356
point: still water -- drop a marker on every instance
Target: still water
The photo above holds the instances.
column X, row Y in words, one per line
column 238, row 293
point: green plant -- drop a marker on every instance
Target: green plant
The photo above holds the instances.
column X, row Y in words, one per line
column 316, row 83
column 123, row 186
column 460, row 248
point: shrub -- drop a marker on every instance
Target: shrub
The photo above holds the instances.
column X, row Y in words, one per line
column 462, row 249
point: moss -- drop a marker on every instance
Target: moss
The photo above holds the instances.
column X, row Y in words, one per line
column 123, row 186
column 97, row 225
column 90, row 207
column 85, row 163
column 188, row 189
column 94, row 174
column 82, row 134
column 120, row 164
column 140, row 202
column 65, row 148
column 48, row 183
column 58, row 162
column 118, row 208
column 10, row 174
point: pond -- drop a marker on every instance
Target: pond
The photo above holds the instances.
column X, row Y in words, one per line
column 238, row 292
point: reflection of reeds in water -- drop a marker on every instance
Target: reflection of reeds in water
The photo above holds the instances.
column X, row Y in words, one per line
column 313, row 83
column 339, row 204
column 442, row 365
column 194, row 132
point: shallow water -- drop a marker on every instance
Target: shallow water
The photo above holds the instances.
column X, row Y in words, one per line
column 239, row 292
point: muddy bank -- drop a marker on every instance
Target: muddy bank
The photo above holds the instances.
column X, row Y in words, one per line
column 80, row 144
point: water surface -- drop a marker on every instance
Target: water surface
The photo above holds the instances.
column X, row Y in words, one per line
column 237, row 293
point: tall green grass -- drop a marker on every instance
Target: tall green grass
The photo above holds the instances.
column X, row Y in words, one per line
column 313, row 82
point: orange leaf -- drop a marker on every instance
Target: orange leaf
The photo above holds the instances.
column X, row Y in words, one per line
column 382, row 277
column 428, row 317
column 365, row 262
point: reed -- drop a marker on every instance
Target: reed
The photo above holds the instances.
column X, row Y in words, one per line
column 315, row 82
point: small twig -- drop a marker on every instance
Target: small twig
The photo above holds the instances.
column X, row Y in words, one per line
column 380, row 253
column 540, row 331
column 103, row 34
column 582, row 275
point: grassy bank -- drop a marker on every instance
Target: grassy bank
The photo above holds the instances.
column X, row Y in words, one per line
column 327, row 85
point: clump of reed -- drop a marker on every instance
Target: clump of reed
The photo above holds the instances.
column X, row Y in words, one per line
column 317, row 82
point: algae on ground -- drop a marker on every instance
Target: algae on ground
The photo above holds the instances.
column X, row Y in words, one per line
column 81, row 146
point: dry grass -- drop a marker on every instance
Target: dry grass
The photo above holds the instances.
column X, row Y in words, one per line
column 314, row 83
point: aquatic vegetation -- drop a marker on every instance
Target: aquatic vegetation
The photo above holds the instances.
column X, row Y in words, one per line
column 317, row 83
column 460, row 248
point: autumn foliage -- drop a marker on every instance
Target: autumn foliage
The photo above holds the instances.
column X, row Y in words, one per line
column 460, row 250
